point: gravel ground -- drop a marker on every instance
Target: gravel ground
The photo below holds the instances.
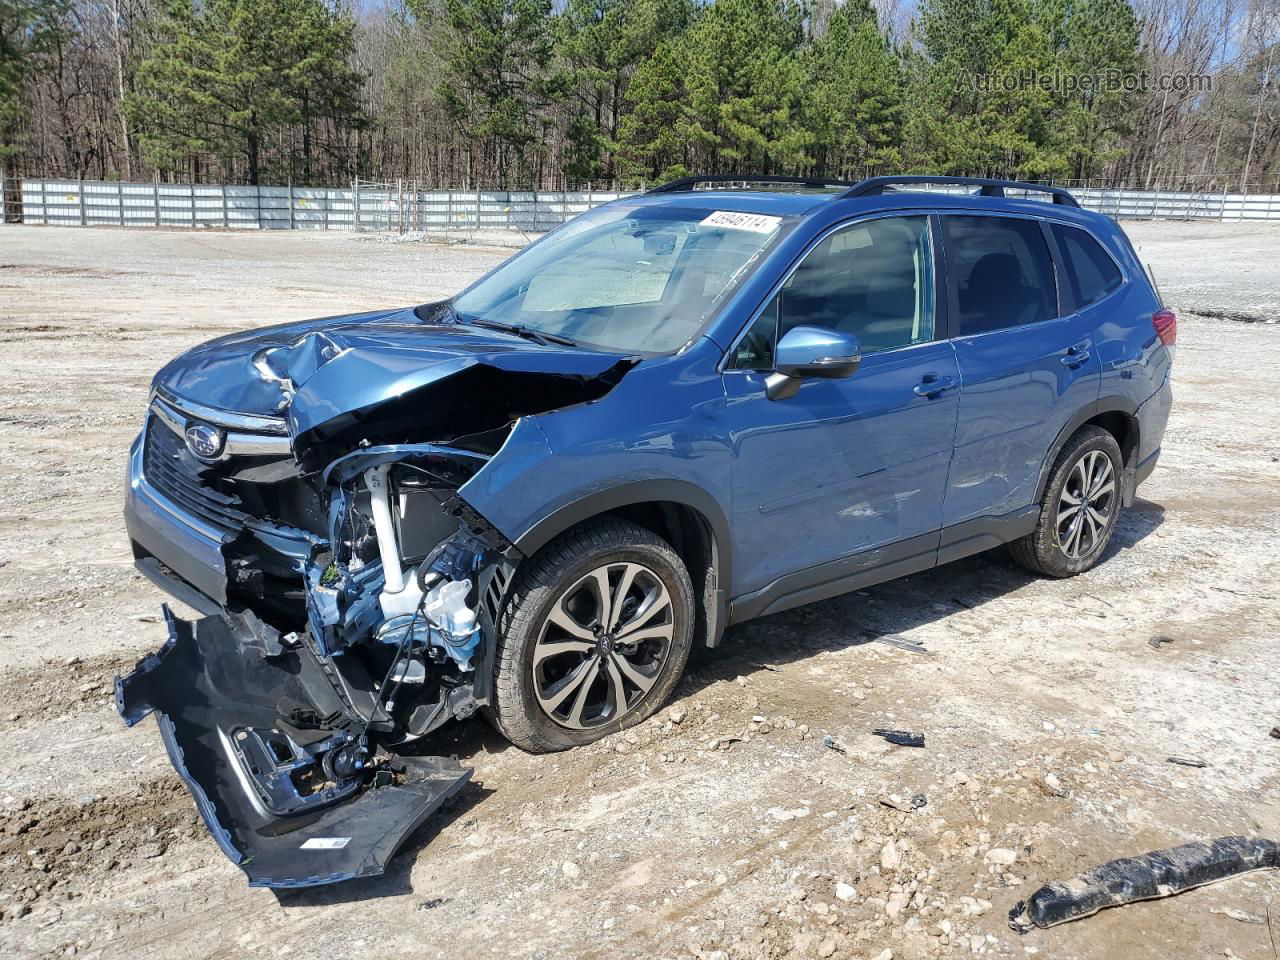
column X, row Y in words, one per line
column 722, row 828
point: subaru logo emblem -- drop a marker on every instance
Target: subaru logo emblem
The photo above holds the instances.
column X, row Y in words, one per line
column 205, row 441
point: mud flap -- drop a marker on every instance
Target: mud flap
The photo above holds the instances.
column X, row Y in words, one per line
column 211, row 697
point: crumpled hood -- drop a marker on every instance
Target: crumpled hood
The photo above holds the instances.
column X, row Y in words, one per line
column 329, row 376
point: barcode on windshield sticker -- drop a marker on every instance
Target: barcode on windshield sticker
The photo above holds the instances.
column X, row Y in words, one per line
column 326, row 843
column 730, row 220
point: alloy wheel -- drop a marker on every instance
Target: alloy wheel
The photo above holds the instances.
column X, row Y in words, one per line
column 602, row 646
column 1085, row 505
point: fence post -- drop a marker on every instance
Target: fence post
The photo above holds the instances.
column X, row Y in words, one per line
column 44, row 203
column 226, row 213
column 1222, row 205
column 477, row 208
column 291, row 203
column 326, row 208
column 355, row 205
column 191, row 202
column 83, row 221
column 155, row 197
column 120, row 200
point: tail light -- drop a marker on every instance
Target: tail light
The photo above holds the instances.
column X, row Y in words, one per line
column 1166, row 324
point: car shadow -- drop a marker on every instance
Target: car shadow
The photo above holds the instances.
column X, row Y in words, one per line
column 850, row 620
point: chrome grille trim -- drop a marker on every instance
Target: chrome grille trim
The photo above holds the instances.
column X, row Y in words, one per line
column 251, row 423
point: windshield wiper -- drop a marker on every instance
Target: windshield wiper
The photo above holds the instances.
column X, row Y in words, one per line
column 528, row 333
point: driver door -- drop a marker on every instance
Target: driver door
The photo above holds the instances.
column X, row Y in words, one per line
column 845, row 475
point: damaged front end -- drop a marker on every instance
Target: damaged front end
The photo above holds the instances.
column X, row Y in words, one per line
column 351, row 590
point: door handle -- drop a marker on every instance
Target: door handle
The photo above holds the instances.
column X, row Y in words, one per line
column 1076, row 356
column 933, row 386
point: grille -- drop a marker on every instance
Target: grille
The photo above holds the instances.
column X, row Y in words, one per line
column 171, row 469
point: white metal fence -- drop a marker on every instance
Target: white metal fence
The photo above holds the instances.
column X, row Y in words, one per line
column 391, row 207
column 361, row 206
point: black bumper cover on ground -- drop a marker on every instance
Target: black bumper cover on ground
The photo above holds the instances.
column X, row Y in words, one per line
column 203, row 686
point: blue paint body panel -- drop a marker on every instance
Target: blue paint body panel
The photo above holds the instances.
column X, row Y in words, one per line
column 842, row 468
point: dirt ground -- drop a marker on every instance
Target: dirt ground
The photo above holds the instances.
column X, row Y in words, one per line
column 723, row 828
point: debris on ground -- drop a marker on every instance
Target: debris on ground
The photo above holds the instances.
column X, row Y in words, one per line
column 901, row 738
column 1275, row 733
column 839, row 746
column 902, row 643
column 1161, row 873
column 1158, row 642
column 1240, row 915
column 910, row 805
column 1189, row 762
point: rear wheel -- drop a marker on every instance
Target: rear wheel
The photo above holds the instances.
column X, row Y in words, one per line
column 1079, row 509
column 593, row 638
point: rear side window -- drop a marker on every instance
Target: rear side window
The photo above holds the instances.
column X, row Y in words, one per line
column 1002, row 272
column 1090, row 271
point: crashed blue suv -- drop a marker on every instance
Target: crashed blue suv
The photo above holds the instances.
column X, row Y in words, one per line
column 676, row 412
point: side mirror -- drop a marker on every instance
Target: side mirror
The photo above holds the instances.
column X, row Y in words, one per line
column 811, row 352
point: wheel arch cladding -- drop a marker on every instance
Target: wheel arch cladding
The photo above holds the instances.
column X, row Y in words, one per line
column 683, row 514
column 1116, row 415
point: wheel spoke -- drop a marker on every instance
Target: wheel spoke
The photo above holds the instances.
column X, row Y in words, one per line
column 620, row 595
column 633, row 673
column 584, row 688
column 1072, row 544
column 604, row 595
column 660, row 631
column 565, row 688
column 1106, row 487
column 561, row 618
column 655, row 601
column 554, row 648
column 617, row 694
column 1067, row 512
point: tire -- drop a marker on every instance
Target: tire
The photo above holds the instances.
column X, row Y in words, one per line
column 1069, row 541
column 547, row 696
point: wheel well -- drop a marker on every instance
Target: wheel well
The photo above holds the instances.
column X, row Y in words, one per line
column 1124, row 428
column 691, row 536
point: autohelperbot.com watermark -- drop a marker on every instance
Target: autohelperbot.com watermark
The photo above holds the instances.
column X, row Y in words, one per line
column 1099, row 81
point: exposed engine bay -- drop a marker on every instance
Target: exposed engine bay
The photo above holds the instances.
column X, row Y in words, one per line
column 358, row 609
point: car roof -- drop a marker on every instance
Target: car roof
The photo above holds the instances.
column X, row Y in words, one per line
column 809, row 202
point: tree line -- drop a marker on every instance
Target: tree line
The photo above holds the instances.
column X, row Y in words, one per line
column 517, row 93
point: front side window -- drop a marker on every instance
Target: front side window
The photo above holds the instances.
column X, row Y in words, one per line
column 1002, row 271
column 1091, row 272
column 873, row 279
column 625, row 277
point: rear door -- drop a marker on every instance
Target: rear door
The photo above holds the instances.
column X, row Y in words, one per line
column 1027, row 363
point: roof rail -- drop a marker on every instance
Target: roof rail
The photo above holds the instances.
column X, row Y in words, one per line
column 874, row 186
column 688, row 183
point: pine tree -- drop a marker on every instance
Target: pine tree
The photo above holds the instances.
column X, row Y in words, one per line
column 854, row 98
column 224, row 76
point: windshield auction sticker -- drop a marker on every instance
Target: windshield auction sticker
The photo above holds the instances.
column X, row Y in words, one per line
column 755, row 222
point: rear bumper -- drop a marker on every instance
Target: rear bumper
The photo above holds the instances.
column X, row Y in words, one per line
column 261, row 781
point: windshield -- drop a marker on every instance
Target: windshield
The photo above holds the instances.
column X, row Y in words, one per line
column 624, row 277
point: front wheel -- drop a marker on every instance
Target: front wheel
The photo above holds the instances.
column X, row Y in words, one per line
column 593, row 637
column 1079, row 509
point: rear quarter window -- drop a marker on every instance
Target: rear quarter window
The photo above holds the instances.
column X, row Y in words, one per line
column 1090, row 270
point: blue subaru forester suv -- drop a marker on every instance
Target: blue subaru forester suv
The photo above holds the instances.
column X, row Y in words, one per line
column 674, row 413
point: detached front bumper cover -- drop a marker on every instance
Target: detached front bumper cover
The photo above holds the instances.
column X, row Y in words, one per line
column 219, row 706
